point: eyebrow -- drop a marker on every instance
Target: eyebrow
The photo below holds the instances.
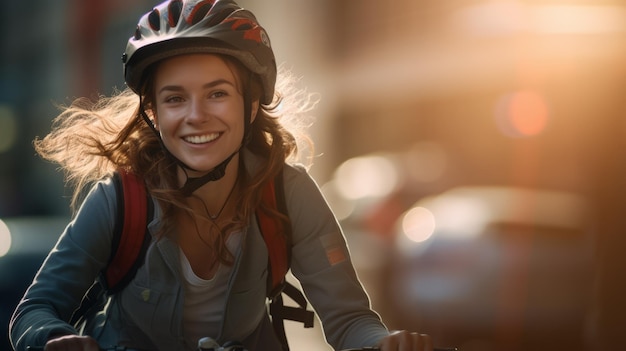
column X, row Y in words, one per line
column 205, row 86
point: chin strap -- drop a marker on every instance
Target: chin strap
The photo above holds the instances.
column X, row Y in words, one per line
column 192, row 184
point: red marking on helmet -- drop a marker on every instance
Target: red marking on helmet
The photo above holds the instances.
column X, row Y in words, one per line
column 252, row 31
column 200, row 11
column 254, row 34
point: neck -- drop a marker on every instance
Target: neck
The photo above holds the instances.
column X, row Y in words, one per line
column 216, row 194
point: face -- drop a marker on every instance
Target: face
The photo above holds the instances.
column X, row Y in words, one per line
column 199, row 109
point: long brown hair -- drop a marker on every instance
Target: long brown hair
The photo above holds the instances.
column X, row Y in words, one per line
column 90, row 140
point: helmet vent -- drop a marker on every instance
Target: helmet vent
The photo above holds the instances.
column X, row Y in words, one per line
column 154, row 19
column 200, row 11
column 218, row 17
column 173, row 12
column 222, row 27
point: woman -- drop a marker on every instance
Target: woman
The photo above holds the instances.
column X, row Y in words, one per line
column 200, row 125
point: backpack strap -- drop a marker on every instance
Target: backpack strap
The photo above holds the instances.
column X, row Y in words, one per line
column 131, row 236
column 280, row 312
column 130, row 241
column 277, row 237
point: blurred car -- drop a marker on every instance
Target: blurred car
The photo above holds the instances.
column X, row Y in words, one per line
column 493, row 268
column 24, row 244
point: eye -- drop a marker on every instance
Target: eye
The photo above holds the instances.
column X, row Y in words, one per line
column 173, row 99
column 218, row 94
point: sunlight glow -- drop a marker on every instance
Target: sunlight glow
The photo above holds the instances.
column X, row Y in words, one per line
column 579, row 19
column 497, row 18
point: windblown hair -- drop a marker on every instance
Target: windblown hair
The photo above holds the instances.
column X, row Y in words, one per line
column 91, row 140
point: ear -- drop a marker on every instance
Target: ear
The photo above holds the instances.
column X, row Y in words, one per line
column 154, row 119
column 255, row 110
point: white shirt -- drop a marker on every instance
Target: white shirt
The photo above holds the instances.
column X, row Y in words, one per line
column 205, row 298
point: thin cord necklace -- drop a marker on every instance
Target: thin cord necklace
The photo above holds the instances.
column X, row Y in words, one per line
column 213, row 218
column 217, row 215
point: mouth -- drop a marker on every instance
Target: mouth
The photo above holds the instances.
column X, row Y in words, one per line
column 201, row 139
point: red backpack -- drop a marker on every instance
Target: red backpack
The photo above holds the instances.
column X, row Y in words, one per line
column 131, row 239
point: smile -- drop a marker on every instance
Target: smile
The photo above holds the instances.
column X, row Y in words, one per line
column 201, row 139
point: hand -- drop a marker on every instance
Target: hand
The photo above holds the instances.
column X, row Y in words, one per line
column 403, row 340
column 72, row 343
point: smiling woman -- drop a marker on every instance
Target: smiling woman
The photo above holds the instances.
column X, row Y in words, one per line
column 199, row 110
column 202, row 124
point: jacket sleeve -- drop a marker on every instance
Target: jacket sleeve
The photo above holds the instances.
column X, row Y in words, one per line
column 322, row 264
column 68, row 271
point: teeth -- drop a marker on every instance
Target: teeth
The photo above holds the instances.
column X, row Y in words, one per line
column 199, row 139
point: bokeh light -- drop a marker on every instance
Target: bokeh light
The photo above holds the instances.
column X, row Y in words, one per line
column 418, row 224
column 459, row 215
column 522, row 114
column 5, row 238
column 366, row 176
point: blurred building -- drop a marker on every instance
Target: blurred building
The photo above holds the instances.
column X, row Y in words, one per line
column 432, row 94
column 52, row 52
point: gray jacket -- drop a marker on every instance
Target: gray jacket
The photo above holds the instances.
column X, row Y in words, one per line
column 148, row 312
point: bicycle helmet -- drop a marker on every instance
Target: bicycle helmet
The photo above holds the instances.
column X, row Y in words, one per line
column 178, row 27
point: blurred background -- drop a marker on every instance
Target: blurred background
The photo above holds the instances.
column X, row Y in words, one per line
column 473, row 151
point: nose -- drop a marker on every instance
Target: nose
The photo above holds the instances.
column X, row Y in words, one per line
column 198, row 111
